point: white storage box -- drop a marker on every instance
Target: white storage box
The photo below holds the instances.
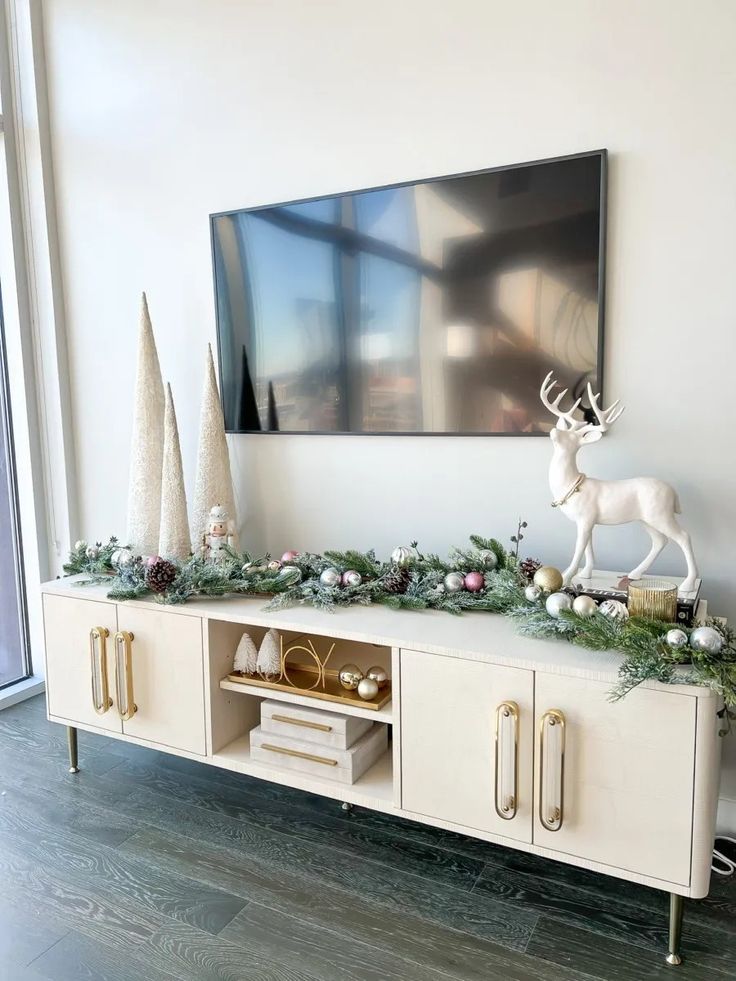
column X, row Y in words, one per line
column 312, row 725
column 341, row 765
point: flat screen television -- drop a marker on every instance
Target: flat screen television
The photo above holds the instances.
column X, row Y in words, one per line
column 430, row 307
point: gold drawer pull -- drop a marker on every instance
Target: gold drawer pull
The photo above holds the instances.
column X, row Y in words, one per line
column 507, row 804
column 124, row 675
column 98, row 665
column 552, row 816
column 301, row 756
column 302, row 722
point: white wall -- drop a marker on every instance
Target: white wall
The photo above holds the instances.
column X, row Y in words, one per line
column 166, row 110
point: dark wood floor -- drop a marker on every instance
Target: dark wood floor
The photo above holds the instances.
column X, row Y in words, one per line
column 144, row 867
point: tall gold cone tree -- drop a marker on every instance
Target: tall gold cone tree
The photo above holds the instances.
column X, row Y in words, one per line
column 214, row 483
column 146, row 454
column 174, row 535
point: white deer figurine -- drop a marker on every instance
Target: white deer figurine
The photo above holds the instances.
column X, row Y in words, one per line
column 590, row 502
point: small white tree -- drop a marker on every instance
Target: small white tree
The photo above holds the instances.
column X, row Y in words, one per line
column 246, row 656
column 269, row 656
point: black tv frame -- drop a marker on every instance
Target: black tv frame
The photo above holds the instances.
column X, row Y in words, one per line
column 602, row 154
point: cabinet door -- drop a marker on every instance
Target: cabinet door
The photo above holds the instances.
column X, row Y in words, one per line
column 452, row 765
column 70, row 663
column 628, row 776
column 167, row 682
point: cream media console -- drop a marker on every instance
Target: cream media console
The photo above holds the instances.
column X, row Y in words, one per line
column 501, row 737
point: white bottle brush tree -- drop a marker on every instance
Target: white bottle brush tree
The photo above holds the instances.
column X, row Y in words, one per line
column 246, row 656
column 269, row 657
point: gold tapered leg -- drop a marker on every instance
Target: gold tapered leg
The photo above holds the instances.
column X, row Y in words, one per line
column 677, row 904
column 71, row 735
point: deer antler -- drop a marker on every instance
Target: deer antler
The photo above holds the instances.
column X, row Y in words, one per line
column 564, row 419
column 605, row 417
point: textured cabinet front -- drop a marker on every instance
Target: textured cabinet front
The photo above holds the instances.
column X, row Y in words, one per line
column 167, row 681
column 71, row 665
column 450, row 710
column 627, row 798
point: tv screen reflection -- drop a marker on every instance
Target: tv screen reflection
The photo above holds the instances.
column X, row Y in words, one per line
column 435, row 307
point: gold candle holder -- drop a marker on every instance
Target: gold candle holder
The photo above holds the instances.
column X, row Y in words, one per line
column 655, row 599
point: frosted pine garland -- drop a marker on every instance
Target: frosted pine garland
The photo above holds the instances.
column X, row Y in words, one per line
column 641, row 642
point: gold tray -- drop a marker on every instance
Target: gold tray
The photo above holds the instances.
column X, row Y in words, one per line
column 304, row 680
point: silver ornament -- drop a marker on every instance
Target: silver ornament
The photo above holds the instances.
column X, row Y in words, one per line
column 403, row 555
column 377, row 674
column 676, row 637
column 532, row 592
column 584, row 606
column 707, row 640
column 351, row 578
column 289, row 574
column 556, row 603
column 454, row 582
column 614, row 609
column 367, row 689
column 330, row 577
column 122, row 557
column 350, row 676
column 488, row 557
column 92, row 552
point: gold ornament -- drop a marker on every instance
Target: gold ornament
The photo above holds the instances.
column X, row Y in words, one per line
column 350, row 676
column 548, row 579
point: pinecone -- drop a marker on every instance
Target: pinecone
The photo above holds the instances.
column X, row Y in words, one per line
column 160, row 574
column 528, row 567
column 397, row 579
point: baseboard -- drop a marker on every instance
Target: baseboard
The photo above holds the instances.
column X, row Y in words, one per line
column 726, row 820
column 20, row 692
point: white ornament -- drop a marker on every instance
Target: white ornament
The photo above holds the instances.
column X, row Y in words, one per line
column 268, row 663
column 532, row 592
column 246, row 656
column 584, row 606
column 367, row 688
column 614, row 609
column 330, row 577
column 556, row 603
column 403, row 555
column 173, row 542
column 676, row 637
column 454, row 582
column 214, row 481
column 79, row 545
column 147, row 448
column 121, row 557
column 707, row 640
column 589, row 502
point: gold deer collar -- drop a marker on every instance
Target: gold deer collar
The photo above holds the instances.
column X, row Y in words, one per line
column 573, row 490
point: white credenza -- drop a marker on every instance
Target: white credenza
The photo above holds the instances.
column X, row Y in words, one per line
column 498, row 736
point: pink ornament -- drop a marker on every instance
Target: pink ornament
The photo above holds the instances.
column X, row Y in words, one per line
column 153, row 559
column 289, row 556
column 474, row 582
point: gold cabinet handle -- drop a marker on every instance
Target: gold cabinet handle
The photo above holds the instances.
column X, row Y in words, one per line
column 98, row 667
column 124, row 675
column 552, row 815
column 302, row 722
column 507, row 803
column 299, row 755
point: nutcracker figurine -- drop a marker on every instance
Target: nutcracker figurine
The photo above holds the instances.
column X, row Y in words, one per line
column 220, row 535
